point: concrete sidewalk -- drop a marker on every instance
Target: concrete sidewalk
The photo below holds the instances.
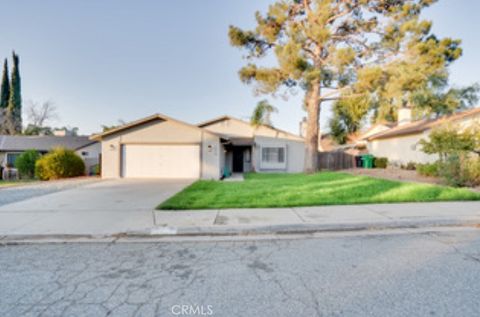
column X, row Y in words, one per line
column 105, row 223
column 310, row 219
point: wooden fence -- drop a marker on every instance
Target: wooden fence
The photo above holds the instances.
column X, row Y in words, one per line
column 335, row 161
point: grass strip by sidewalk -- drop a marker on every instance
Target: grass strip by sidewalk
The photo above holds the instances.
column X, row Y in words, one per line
column 5, row 184
column 294, row 190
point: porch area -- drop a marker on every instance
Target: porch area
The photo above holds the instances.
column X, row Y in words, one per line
column 237, row 157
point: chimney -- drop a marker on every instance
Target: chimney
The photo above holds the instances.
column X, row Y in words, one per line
column 61, row 132
column 404, row 116
column 303, row 127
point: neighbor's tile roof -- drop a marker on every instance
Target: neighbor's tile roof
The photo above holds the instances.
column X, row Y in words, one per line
column 420, row 126
column 41, row 143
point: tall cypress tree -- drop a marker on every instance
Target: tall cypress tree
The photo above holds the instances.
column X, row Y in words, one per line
column 5, row 87
column 4, row 97
column 14, row 111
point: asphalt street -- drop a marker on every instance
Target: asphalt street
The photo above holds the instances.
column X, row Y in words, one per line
column 375, row 274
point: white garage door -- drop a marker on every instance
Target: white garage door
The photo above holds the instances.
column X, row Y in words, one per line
column 161, row 161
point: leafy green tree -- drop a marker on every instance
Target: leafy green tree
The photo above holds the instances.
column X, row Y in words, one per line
column 14, row 109
column 459, row 155
column 437, row 99
column 348, row 116
column 25, row 163
column 339, row 49
column 106, row 128
column 338, row 130
column 262, row 114
column 32, row 129
column 450, row 140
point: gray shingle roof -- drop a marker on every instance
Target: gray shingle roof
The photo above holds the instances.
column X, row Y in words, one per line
column 41, row 143
column 420, row 126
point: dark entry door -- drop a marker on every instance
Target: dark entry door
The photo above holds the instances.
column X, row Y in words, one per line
column 238, row 160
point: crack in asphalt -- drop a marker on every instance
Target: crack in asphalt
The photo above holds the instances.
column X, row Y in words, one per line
column 314, row 276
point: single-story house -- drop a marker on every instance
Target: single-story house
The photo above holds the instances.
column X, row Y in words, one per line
column 162, row 147
column 400, row 143
column 11, row 146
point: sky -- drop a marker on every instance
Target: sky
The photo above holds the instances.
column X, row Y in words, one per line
column 101, row 61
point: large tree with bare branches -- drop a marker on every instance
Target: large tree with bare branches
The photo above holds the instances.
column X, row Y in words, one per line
column 337, row 49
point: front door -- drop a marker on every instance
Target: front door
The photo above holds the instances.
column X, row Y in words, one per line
column 238, row 160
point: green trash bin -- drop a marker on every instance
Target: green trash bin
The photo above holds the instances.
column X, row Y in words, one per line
column 367, row 161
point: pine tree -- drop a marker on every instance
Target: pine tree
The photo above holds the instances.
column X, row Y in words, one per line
column 4, row 97
column 340, row 49
column 14, row 110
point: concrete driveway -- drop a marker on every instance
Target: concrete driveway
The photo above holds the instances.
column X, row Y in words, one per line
column 95, row 207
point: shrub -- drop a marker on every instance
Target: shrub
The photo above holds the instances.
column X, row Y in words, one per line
column 60, row 163
column 25, row 163
column 457, row 149
column 451, row 171
column 410, row 166
column 428, row 169
column 451, row 140
column 96, row 169
column 471, row 172
column 381, row 162
column 461, row 170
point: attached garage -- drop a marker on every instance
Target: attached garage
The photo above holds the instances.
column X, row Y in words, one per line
column 160, row 147
column 160, row 161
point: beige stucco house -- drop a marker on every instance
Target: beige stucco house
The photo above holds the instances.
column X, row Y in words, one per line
column 400, row 144
column 162, row 147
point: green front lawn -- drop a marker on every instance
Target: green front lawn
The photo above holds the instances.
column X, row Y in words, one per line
column 325, row 188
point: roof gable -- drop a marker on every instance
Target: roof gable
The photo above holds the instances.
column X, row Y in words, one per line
column 229, row 127
column 140, row 122
column 233, row 127
column 421, row 126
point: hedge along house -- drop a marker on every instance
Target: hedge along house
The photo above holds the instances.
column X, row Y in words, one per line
column 401, row 143
column 162, row 147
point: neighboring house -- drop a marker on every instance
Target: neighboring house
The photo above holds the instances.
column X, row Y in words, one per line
column 376, row 129
column 326, row 143
column 11, row 146
column 162, row 147
column 400, row 144
column 90, row 153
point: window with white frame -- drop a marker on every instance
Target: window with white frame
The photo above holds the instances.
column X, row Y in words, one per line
column 273, row 155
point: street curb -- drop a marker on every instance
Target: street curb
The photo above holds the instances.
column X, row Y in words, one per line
column 236, row 231
column 307, row 228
